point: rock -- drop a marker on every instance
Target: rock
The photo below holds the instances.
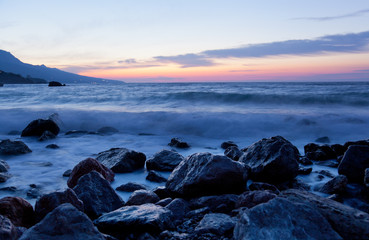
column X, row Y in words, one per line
column 162, row 192
column 87, row 166
column 46, row 136
column 178, row 143
column 173, row 235
column 325, row 173
column 76, row 132
column 328, row 163
column 348, row 222
column 305, row 170
column 7, row 230
column 219, row 224
column 283, row 219
column 67, row 173
column 263, row 186
column 33, row 193
column 4, row 167
column 206, row 174
column 228, row 144
column 131, row 187
column 222, row 203
column 154, row 176
column 9, row 189
column 272, row 160
column 132, row 219
column 140, row 197
column 164, row 202
column 122, row 160
column 323, row 140
column 107, row 130
column 8, row 147
column 38, row 127
column 254, row 198
column 4, row 177
column 198, row 213
column 18, row 210
column 294, row 184
column 305, row 161
column 55, row 84
column 52, row 146
column 64, row 222
column 335, row 185
column 48, row 202
column 319, row 153
column 366, row 177
column 354, row 163
column 164, row 160
column 179, row 208
column 338, row 149
column 97, row 195
column 360, row 142
column 233, row 153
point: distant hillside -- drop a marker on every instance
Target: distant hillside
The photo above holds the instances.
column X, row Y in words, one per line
column 11, row 78
column 9, row 63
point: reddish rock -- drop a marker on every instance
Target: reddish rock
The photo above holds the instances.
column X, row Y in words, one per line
column 18, row 210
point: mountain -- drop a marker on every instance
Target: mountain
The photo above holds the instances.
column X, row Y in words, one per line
column 9, row 63
column 11, row 78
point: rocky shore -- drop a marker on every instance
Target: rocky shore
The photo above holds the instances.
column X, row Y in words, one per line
column 254, row 192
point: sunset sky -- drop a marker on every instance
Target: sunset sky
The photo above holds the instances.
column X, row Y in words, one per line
column 187, row 40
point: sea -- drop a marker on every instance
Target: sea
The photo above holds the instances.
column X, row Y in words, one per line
column 147, row 116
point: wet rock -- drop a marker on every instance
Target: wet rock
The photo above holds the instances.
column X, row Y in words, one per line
column 87, row 166
column 140, row 197
column 325, row 173
column 76, row 132
column 4, row 167
column 263, row 186
column 33, row 193
column 217, row 223
column 148, row 218
column 319, row 153
column 198, row 214
column 18, row 210
column 254, row 198
column 164, row 202
column 272, row 160
column 107, row 130
column 162, row 192
column 49, row 202
column 335, row 185
column 338, row 149
column 221, row 203
column 7, row 230
column 46, row 136
column 8, row 147
column 131, row 187
column 122, row 160
column 38, row 127
column 9, row 189
column 154, row 176
column 305, row 170
column 97, row 195
column 323, row 140
column 305, row 161
column 206, row 174
column 67, row 173
column 283, row 219
column 233, row 153
column 352, row 143
column 4, row 177
column 52, row 146
column 178, row 143
column 179, row 208
column 354, row 163
column 164, row 160
column 174, row 235
column 228, row 144
column 64, row 222
column 366, row 177
column 55, row 84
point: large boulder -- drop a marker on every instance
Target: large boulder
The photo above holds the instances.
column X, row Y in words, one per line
column 203, row 174
column 220, row 203
column 8, row 147
column 178, row 143
column 154, row 176
column 335, row 185
column 131, row 187
column 140, row 197
column 350, row 223
column 354, row 163
column 165, row 160
column 86, row 166
column 7, row 230
column 122, row 160
column 97, row 195
column 18, row 210
column 179, row 208
column 233, row 153
column 253, row 198
column 219, row 224
column 272, row 160
column 283, row 219
column 319, row 152
column 64, row 222
column 37, row 127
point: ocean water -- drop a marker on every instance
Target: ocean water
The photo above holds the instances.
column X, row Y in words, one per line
column 149, row 115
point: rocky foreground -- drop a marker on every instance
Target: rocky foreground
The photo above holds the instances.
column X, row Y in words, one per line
column 249, row 193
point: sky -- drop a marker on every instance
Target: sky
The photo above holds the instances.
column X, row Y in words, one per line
column 192, row 40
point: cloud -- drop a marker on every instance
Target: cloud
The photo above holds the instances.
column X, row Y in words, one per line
column 187, row 60
column 349, row 15
column 128, row 61
column 83, row 68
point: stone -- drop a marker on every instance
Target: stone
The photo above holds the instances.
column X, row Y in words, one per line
column 164, row 202
column 33, row 193
column 4, row 167
column 305, row 170
column 86, row 166
column 4, row 177
column 48, row 202
column 52, row 146
column 263, row 186
column 323, row 140
column 319, row 153
column 154, row 176
column 179, row 208
column 335, row 185
column 162, row 192
column 55, row 84
column 140, row 197
column 283, row 219
column 178, row 143
column 198, row 213
column 46, row 136
column 203, row 174
column 67, row 173
column 8, row 147
column 272, row 160
column 219, row 224
column 338, row 149
column 18, row 210
column 233, row 153
column 305, row 161
column 354, row 163
column 220, row 203
column 131, row 187
column 228, row 144
column 325, row 173
column 7, row 230
column 122, row 160
column 107, row 130
column 97, row 195
column 360, row 142
column 165, row 160
column 76, row 132
column 254, row 198
column 64, row 222
column 366, row 177
column 37, row 127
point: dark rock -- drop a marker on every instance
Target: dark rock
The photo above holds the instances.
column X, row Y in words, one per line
column 228, row 144
column 107, row 130
column 354, row 163
column 178, row 143
column 7, row 230
column 164, row 202
column 366, row 177
column 97, row 195
column 18, row 210
column 33, row 193
column 140, row 197
column 360, row 142
column 319, row 153
column 122, row 160
column 4, row 167
column 328, row 163
column 46, row 136
column 8, row 147
column 67, row 173
column 338, row 149
column 198, row 213
column 311, row 147
column 164, row 160
column 356, row 203
column 9, row 189
column 76, row 132
column 294, row 184
column 305, row 170
column 348, row 222
column 335, row 185
column 38, row 127
column 154, row 176
column 132, row 219
column 179, row 208
column 253, row 198
column 326, row 173
column 263, row 186
column 221, row 203
column 305, row 161
column 131, row 187
column 4, row 177
column 233, row 153
column 52, row 146
column 55, row 84
column 49, row 202
column 319, row 177
column 174, row 235
column 272, row 160
column 162, row 192
column 64, row 222
column 217, row 223
column 87, row 166
column 323, row 140
column 206, row 174
column 283, row 219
